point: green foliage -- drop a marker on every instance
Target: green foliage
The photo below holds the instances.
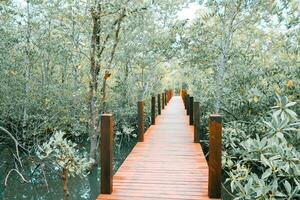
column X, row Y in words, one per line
column 62, row 154
column 241, row 57
column 45, row 76
column 267, row 165
column 260, row 145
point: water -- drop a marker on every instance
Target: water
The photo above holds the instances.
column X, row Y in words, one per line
column 37, row 189
column 50, row 185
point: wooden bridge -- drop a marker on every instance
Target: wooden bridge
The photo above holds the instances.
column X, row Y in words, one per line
column 168, row 162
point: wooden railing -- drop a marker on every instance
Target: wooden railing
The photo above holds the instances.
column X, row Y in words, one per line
column 215, row 142
column 106, row 147
column 193, row 110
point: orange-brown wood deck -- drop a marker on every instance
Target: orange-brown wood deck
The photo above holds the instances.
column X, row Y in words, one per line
column 167, row 165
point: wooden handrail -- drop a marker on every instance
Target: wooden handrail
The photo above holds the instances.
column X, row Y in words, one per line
column 213, row 180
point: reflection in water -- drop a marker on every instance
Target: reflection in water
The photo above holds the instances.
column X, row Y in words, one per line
column 45, row 182
column 37, row 189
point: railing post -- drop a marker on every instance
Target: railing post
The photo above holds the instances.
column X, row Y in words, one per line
column 215, row 155
column 141, row 121
column 158, row 104
column 191, row 110
column 165, row 94
column 153, row 110
column 163, row 101
column 183, row 94
column 196, row 113
column 187, row 99
column 106, row 153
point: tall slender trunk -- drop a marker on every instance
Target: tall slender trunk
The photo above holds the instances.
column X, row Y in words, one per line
column 112, row 54
column 28, row 64
column 221, row 68
column 143, row 88
column 220, row 79
column 96, row 53
column 73, row 60
column 125, row 91
column 226, row 40
column 94, row 72
column 75, row 66
column 64, row 176
column 47, row 64
column 64, row 73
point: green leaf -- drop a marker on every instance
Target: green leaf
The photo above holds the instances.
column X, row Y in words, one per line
column 291, row 113
column 290, row 104
column 280, row 135
column 266, row 174
column 288, row 187
column 279, row 194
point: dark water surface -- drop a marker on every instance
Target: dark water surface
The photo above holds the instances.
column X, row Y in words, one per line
column 37, row 189
column 51, row 187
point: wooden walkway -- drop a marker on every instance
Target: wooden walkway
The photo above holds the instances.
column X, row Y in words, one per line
column 167, row 165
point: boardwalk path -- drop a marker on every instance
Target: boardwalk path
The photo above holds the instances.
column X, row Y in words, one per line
column 167, row 165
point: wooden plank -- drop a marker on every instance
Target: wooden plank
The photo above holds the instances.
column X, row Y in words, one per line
column 167, row 165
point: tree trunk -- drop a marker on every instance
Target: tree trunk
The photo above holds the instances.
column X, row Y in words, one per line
column 220, row 81
column 27, row 69
column 95, row 69
column 221, row 68
column 75, row 58
column 94, row 72
column 64, row 177
column 226, row 39
column 124, row 93
column 112, row 54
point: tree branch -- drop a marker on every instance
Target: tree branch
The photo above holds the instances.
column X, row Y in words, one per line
column 6, row 178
